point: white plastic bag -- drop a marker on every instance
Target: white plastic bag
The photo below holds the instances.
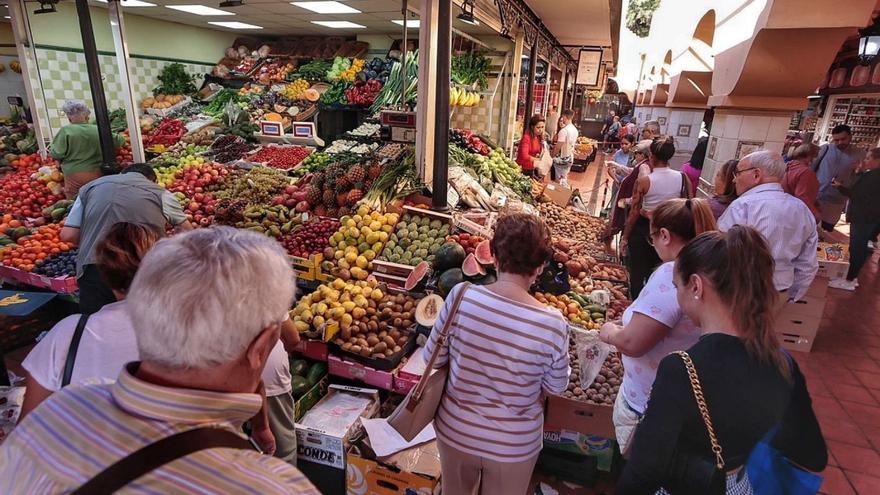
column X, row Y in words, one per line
column 544, row 162
column 591, row 354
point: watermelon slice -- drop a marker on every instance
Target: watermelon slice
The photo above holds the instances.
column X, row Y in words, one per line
column 418, row 278
column 484, row 253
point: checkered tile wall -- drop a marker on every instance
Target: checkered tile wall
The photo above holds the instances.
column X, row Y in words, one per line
column 63, row 76
column 477, row 118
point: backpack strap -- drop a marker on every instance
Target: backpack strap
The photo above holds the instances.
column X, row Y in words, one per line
column 818, row 160
column 157, row 454
column 71, row 351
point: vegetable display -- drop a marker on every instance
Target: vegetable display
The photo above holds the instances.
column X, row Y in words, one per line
column 168, row 132
column 471, row 68
column 335, row 95
column 174, row 80
column 363, row 93
column 314, row 71
column 281, row 157
column 389, row 95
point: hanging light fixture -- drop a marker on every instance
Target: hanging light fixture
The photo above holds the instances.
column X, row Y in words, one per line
column 467, row 13
column 226, row 4
column 869, row 43
column 46, row 7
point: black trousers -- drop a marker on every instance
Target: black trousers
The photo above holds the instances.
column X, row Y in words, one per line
column 94, row 293
column 642, row 259
column 859, row 235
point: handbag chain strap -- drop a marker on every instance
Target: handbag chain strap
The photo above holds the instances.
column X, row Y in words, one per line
column 701, row 405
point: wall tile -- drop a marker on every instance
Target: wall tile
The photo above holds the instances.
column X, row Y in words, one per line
column 754, row 127
column 732, row 124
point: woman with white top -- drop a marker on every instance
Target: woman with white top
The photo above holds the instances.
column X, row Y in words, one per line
column 504, row 350
column 108, row 340
column 654, row 325
column 661, row 184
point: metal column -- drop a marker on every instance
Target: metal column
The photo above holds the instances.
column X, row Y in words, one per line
column 90, row 51
column 530, row 84
column 441, row 130
column 563, row 102
column 117, row 26
column 27, row 57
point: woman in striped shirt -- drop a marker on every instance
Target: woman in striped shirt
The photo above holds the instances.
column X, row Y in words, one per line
column 504, row 350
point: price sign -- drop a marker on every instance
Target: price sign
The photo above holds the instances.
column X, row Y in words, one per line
column 271, row 128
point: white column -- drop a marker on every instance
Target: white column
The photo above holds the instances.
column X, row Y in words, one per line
column 117, row 26
column 427, row 88
column 737, row 132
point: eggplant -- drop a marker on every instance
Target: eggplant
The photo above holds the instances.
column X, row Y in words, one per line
column 362, row 76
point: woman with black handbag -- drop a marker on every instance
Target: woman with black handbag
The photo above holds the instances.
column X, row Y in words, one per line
column 712, row 405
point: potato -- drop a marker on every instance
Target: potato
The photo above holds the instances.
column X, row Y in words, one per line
column 380, row 346
column 366, row 351
column 346, row 346
column 355, row 349
column 372, row 341
column 389, row 342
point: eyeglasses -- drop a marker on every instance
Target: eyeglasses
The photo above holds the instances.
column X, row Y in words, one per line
column 651, row 236
column 737, row 172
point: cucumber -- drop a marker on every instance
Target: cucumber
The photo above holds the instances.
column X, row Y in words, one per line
column 299, row 386
column 299, row 367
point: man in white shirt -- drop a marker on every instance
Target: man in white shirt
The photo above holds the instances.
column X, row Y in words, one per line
column 786, row 223
column 563, row 148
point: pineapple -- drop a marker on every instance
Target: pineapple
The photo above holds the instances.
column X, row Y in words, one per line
column 329, row 198
column 374, row 171
column 341, row 183
column 355, row 195
column 313, row 195
column 357, row 174
column 318, row 180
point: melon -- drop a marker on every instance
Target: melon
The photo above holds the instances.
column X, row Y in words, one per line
column 487, row 279
column 428, row 309
column 449, row 279
column 448, row 256
column 311, row 95
column 483, row 252
column 274, row 117
column 472, row 268
column 418, row 278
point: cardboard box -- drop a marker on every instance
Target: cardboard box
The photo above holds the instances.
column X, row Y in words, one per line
column 808, row 306
column 403, row 384
column 411, row 471
column 64, row 285
column 577, row 443
column 819, row 287
column 558, row 193
column 797, row 333
column 357, row 371
column 313, row 349
column 321, row 451
column 568, row 466
column 577, row 416
column 307, row 401
column 832, row 269
column 829, row 251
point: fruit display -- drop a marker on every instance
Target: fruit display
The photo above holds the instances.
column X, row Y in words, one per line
column 468, row 141
column 340, row 187
column 273, row 72
column 311, row 238
column 416, row 239
column 607, row 271
column 22, row 196
column 295, row 90
column 359, row 240
column 58, row 211
column 312, row 163
column 459, row 97
column 30, row 249
column 250, row 90
column 198, row 177
column 275, row 221
column 57, row 265
column 606, row 385
column 281, row 157
column 575, row 308
column 470, row 242
column 229, row 148
column 305, row 375
column 580, row 232
column 344, row 69
column 161, row 102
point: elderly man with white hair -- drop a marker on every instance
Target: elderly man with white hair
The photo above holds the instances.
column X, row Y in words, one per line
column 78, row 148
column 786, row 223
column 207, row 308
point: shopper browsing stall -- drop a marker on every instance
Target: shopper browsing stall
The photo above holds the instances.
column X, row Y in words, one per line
column 624, row 155
column 206, row 307
column 506, row 349
column 650, row 191
column 724, row 284
column 836, row 160
column 622, row 199
column 654, row 325
column 799, row 180
column 693, row 168
column 78, row 148
column 107, row 339
column 786, row 223
column 132, row 196
column 531, row 145
column 724, row 187
column 863, row 214
column 563, row 148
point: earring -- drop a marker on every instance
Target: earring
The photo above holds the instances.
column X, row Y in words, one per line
column 697, row 298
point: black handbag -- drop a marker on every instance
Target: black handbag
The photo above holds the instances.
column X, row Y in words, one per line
column 693, row 473
column 71, row 351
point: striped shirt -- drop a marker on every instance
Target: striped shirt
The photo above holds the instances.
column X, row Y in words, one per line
column 501, row 355
column 81, row 430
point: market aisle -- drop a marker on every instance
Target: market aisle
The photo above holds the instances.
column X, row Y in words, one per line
column 843, row 375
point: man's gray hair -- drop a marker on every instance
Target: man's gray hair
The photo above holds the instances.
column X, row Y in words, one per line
column 199, row 299
column 653, row 125
column 769, row 162
column 805, row 150
column 74, row 108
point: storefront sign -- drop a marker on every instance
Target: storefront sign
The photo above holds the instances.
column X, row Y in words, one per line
column 589, row 61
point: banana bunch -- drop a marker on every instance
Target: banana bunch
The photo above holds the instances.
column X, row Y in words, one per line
column 463, row 98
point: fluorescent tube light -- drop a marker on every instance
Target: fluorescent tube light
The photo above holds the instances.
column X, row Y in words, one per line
column 339, row 24
column 199, row 10
column 327, row 7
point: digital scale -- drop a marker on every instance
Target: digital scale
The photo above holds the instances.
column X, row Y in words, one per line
column 302, row 134
column 401, row 125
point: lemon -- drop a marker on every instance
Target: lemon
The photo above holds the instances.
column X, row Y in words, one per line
column 370, row 254
column 351, row 257
column 362, row 262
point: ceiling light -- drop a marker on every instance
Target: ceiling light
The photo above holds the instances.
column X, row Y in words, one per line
column 133, row 3
column 46, row 7
column 236, row 25
column 339, row 24
column 467, row 13
column 7, row 17
column 410, row 23
column 327, row 7
column 226, row 4
column 199, row 10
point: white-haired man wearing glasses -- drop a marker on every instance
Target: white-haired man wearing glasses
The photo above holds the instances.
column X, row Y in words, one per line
column 786, row 223
column 207, row 308
column 78, row 148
